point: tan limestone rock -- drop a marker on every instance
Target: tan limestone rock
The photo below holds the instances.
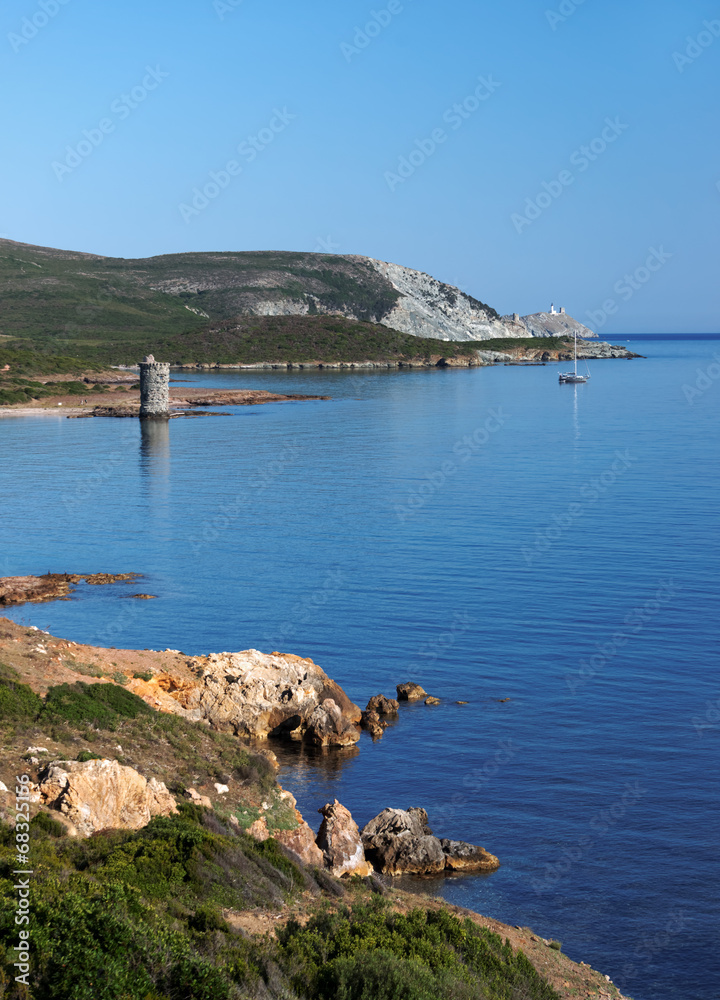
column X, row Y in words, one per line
column 259, row 829
column 200, row 800
column 462, row 857
column 254, row 694
column 339, row 840
column 382, row 705
column 103, row 794
column 301, row 841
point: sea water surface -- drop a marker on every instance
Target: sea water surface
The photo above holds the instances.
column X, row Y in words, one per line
column 543, row 552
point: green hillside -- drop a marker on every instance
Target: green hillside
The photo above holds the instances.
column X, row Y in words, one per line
column 199, row 307
column 62, row 302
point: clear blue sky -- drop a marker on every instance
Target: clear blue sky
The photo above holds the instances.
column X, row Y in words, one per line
column 360, row 103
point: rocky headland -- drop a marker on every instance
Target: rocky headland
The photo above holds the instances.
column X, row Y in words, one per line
column 52, row 586
column 114, row 742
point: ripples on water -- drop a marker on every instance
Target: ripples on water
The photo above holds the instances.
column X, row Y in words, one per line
column 293, row 527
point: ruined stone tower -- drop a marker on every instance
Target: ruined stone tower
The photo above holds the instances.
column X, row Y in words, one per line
column 154, row 388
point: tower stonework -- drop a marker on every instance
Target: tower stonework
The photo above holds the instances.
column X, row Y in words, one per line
column 154, row 388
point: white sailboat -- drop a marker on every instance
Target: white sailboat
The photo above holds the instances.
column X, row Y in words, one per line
column 573, row 376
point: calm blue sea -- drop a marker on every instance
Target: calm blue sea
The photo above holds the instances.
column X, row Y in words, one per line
column 488, row 533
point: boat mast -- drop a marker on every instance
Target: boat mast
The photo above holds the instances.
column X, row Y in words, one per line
column 575, row 345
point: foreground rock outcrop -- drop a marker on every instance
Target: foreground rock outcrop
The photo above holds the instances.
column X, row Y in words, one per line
column 340, row 842
column 103, row 795
column 254, row 694
column 400, row 842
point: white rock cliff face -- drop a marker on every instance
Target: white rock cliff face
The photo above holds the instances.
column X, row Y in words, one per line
column 429, row 308
column 254, row 694
column 544, row 324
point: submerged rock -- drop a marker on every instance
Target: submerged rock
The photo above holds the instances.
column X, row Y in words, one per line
column 339, row 840
column 463, row 857
column 52, row 586
column 373, row 723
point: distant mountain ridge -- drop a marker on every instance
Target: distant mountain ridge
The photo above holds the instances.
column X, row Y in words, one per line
column 60, row 298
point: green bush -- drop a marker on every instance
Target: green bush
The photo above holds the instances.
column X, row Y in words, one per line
column 97, row 704
column 372, row 952
column 207, row 918
column 132, row 915
column 52, row 827
column 17, row 701
column 380, row 975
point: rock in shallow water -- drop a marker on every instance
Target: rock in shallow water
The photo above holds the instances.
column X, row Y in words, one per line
column 373, row 723
column 395, row 843
column 400, row 842
column 462, row 857
column 410, row 692
column 327, row 726
column 382, row 705
column 339, row 840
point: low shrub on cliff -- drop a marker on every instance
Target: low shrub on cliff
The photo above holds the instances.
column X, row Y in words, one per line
column 96, row 704
column 372, row 952
column 137, row 914
column 148, row 914
column 17, row 701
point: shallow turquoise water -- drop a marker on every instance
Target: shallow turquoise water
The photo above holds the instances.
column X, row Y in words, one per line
column 487, row 533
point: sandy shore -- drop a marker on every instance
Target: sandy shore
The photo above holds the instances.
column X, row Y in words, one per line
column 127, row 403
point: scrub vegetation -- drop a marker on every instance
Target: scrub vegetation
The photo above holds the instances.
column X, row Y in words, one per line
column 167, row 912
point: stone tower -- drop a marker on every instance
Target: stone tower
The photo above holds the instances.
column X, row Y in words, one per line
column 154, row 388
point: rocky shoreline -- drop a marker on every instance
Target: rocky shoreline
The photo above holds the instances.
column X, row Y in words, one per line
column 116, row 394
column 521, row 354
column 52, row 586
column 250, row 697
